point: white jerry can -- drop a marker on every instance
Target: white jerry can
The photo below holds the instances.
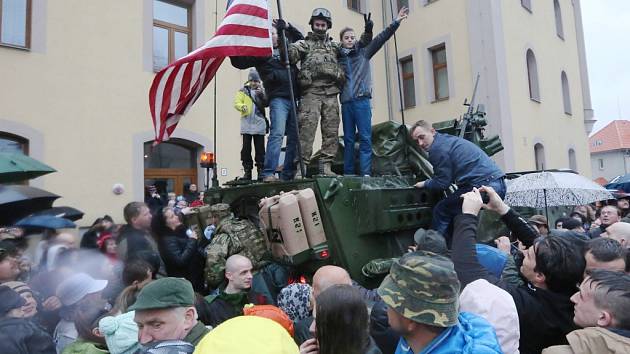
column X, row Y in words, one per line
column 310, row 215
column 282, row 222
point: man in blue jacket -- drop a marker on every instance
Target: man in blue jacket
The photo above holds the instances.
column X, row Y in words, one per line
column 356, row 112
column 422, row 297
column 455, row 161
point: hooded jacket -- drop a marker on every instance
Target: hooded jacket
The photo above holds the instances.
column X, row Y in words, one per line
column 472, row 335
column 251, row 104
column 593, row 340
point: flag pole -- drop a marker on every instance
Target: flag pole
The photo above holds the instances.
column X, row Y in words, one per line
column 215, row 178
column 285, row 59
column 400, row 95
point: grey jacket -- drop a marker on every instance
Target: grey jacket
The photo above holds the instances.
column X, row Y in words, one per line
column 256, row 122
column 356, row 65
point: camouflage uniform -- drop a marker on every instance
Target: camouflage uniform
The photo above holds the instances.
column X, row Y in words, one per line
column 320, row 80
column 423, row 287
column 232, row 236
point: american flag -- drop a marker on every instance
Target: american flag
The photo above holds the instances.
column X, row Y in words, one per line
column 244, row 31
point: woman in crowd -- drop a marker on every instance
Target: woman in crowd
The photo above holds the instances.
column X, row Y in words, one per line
column 17, row 334
column 340, row 324
column 178, row 247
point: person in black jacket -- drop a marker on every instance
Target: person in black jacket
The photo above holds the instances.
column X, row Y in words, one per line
column 553, row 266
column 19, row 335
column 276, row 82
column 179, row 249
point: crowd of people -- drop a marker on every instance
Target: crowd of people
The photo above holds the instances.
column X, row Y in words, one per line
column 153, row 286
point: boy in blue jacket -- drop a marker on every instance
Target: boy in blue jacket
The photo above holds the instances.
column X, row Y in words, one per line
column 355, row 97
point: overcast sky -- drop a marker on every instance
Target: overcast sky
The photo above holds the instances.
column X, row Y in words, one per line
column 607, row 37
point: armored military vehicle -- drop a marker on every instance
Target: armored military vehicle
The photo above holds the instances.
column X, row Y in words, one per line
column 364, row 218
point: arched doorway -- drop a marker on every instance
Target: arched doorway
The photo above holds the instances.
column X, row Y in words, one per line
column 171, row 166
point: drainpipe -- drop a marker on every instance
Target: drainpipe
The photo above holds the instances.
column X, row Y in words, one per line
column 589, row 121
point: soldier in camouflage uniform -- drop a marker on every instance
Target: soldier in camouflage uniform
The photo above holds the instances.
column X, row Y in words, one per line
column 232, row 236
column 422, row 296
column 320, row 80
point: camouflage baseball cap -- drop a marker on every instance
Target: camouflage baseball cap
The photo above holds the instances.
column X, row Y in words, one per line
column 423, row 287
column 220, row 210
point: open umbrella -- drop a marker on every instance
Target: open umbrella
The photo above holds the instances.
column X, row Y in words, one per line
column 620, row 183
column 45, row 222
column 16, row 167
column 65, row 212
column 543, row 189
column 17, row 201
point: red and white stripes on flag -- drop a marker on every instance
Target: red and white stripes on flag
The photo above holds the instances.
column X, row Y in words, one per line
column 244, row 31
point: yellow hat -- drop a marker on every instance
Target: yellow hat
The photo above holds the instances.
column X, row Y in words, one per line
column 264, row 336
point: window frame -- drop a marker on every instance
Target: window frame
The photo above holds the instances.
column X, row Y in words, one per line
column 352, row 8
column 539, row 157
column 572, row 159
column 18, row 139
column 435, row 67
column 172, row 28
column 27, row 24
column 407, row 76
column 532, row 76
column 557, row 11
column 566, row 93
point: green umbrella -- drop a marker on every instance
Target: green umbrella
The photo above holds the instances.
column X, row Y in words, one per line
column 15, row 167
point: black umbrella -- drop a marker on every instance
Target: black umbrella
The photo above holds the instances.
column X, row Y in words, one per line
column 17, row 201
column 65, row 212
column 45, row 222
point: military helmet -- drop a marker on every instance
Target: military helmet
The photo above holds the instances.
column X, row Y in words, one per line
column 321, row 13
column 220, row 210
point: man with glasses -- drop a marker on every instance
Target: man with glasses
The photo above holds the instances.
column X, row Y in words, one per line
column 455, row 161
column 320, row 79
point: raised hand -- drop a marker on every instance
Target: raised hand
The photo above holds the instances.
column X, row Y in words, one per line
column 402, row 14
column 369, row 24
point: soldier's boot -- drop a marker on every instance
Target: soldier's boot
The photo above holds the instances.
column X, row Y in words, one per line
column 259, row 172
column 247, row 175
column 327, row 169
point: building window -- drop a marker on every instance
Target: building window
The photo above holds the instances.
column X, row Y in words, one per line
column 558, row 13
column 409, row 88
column 354, row 5
column 427, row 2
column 13, row 143
column 527, row 4
column 170, row 166
column 600, row 162
column 402, row 3
column 172, row 32
column 532, row 76
column 15, row 23
column 566, row 93
column 539, row 156
column 572, row 160
column 440, row 72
